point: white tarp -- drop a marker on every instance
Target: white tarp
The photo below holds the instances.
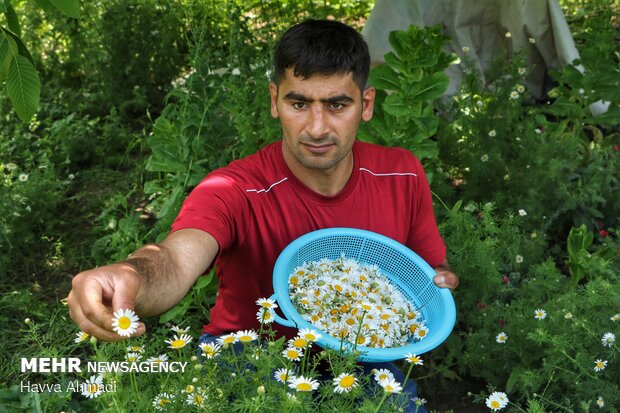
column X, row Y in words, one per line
column 536, row 27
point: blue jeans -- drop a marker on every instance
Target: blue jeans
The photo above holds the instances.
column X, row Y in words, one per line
column 410, row 389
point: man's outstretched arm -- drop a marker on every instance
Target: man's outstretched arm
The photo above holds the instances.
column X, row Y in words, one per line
column 152, row 280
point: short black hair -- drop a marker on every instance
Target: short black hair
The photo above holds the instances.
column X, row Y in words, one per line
column 323, row 47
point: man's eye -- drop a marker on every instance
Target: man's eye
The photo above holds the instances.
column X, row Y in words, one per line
column 336, row 106
column 299, row 105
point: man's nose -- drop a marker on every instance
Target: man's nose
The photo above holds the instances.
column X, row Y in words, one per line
column 317, row 122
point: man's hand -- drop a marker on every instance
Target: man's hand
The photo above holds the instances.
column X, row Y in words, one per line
column 97, row 293
column 444, row 277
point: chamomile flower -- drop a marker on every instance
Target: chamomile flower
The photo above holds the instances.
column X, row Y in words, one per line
column 162, row 400
column 492, row 133
column 501, row 338
column 599, row 365
column 497, row 401
column 81, row 336
column 11, row 166
column 421, row 332
column 23, row 177
column 608, row 339
column 93, row 387
column 344, row 383
column 133, row 357
column 391, row 386
column 265, row 315
column 125, row 322
column 382, row 374
column 519, row 259
column 227, row 339
column 210, row 350
column 135, row 349
column 303, row 384
column 246, row 336
column 615, row 317
column 179, row 330
column 514, row 95
column 196, row 398
column 298, row 342
column 283, row 375
column 418, row 401
column 484, row 157
column 309, row 334
column 600, row 402
column 178, row 342
column 267, row 303
column 540, row 314
column 293, row 353
column 162, row 358
column 414, row 359
column 522, row 212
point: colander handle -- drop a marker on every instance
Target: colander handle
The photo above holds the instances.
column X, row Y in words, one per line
column 280, row 320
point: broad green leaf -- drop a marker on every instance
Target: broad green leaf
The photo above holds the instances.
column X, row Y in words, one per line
column 431, row 88
column 46, row 5
column 2, row 6
column 399, row 40
column 23, row 87
column 395, row 106
column 384, row 77
column 17, row 45
column 69, row 7
column 394, row 61
column 8, row 48
column 12, row 20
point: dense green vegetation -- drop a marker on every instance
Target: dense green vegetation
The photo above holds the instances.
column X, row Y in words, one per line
column 140, row 99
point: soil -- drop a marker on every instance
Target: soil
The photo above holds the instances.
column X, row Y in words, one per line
column 451, row 395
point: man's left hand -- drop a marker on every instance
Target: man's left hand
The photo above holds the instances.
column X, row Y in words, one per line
column 445, row 278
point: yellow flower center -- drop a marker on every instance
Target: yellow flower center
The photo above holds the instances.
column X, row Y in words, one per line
column 163, row 402
column 347, row 381
column 178, row 343
column 361, row 339
column 294, row 280
column 300, row 342
column 304, row 387
column 124, row 322
column 292, row 354
column 93, row 388
column 383, row 377
column 198, row 399
column 495, row 404
column 422, row 333
column 245, row 339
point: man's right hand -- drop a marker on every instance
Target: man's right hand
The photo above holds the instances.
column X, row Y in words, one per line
column 97, row 293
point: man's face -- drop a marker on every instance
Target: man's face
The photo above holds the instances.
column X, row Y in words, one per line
column 320, row 117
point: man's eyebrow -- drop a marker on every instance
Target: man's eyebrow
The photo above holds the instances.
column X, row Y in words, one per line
column 342, row 98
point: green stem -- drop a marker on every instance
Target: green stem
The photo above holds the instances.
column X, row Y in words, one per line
column 381, row 402
column 407, row 376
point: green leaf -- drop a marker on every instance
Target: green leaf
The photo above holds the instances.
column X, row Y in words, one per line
column 2, row 6
column 395, row 105
column 23, row 87
column 12, row 20
column 385, row 78
column 46, row 5
column 8, row 48
column 69, row 7
column 17, row 45
column 394, row 61
column 431, row 88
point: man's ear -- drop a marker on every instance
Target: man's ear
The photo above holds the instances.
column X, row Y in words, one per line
column 273, row 92
column 368, row 103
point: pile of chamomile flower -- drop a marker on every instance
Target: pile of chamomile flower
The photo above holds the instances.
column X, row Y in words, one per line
column 354, row 302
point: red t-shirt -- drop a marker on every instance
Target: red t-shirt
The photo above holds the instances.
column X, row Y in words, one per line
column 255, row 207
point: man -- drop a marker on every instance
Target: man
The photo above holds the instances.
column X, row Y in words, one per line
column 240, row 217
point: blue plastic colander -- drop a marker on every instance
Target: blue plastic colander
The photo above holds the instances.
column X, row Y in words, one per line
column 409, row 273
